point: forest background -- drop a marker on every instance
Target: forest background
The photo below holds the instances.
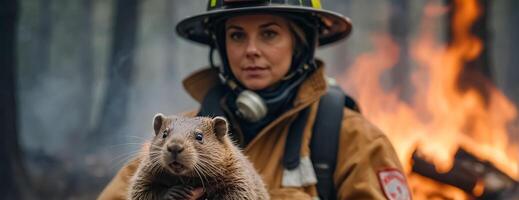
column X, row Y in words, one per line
column 82, row 79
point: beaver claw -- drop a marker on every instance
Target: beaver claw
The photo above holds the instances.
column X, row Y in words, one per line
column 178, row 192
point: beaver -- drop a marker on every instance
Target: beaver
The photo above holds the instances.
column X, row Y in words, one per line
column 192, row 152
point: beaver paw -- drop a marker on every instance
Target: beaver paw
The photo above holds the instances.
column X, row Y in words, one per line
column 178, row 192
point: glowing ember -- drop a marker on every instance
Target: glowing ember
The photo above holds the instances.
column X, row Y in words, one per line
column 439, row 117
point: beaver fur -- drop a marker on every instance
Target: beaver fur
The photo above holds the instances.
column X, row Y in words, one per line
column 187, row 153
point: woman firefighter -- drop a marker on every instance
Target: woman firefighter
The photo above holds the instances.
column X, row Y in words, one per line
column 275, row 95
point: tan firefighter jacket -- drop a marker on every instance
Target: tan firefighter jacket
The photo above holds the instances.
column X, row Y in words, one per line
column 364, row 151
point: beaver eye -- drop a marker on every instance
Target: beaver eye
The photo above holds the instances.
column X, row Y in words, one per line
column 199, row 137
column 165, row 133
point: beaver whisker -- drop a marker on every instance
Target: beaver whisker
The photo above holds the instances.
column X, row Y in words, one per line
column 203, row 170
column 137, row 137
column 119, row 159
column 213, row 156
column 209, row 155
column 210, row 166
column 157, row 169
column 155, row 147
column 199, row 176
column 210, row 169
column 156, row 165
column 153, row 154
column 130, row 154
column 155, row 159
column 124, row 144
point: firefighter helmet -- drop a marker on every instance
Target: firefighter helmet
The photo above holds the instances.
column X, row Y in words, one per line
column 332, row 26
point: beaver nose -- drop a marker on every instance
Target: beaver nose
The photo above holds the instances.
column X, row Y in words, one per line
column 175, row 148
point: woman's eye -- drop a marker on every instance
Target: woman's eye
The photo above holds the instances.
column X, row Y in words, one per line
column 165, row 133
column 269, row 34
column 199, row 137
column 237, row 36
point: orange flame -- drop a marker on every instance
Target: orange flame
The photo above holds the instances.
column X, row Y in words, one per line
column 439, row 118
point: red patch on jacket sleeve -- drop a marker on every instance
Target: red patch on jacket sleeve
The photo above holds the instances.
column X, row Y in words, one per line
column 394, row 184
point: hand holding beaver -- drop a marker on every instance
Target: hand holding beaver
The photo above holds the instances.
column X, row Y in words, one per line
column 188, row 153
column 183, row 192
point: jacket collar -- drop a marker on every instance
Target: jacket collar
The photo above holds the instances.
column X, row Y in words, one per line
column 200, row 82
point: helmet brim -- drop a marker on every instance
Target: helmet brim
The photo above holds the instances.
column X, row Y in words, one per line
column 335, row 26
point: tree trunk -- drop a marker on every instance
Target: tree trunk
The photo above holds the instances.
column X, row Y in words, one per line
column 512, row 70
column 14, row 184
column 85, row 43
column 120, row 70
column 41, row 61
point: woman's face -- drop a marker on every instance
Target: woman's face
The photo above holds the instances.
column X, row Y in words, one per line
column 259, row 49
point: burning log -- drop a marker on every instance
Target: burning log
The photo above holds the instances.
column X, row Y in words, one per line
column 476, row 177
column 453, row 102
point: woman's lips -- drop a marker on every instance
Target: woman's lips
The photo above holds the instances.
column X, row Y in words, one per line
column 254, row 71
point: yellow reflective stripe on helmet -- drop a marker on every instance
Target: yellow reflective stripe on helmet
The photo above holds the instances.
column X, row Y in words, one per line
column 213, row 3
column 316, row 4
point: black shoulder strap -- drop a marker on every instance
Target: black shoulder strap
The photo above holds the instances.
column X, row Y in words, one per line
column 291, row 156
column 324, row 142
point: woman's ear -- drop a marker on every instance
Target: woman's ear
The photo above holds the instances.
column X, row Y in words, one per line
column 221, row 127
column 158, row 120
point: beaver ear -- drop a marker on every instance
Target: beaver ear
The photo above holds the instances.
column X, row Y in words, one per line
column 220, row 126
column 157, row 122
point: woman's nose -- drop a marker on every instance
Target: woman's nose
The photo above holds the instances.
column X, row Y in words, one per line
column 252, row 49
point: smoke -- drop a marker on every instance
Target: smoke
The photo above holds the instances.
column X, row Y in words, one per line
column 53, row 120
column 47, row 115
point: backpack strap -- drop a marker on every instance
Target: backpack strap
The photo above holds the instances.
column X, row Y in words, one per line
column 325, row 140
column 291, row 156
